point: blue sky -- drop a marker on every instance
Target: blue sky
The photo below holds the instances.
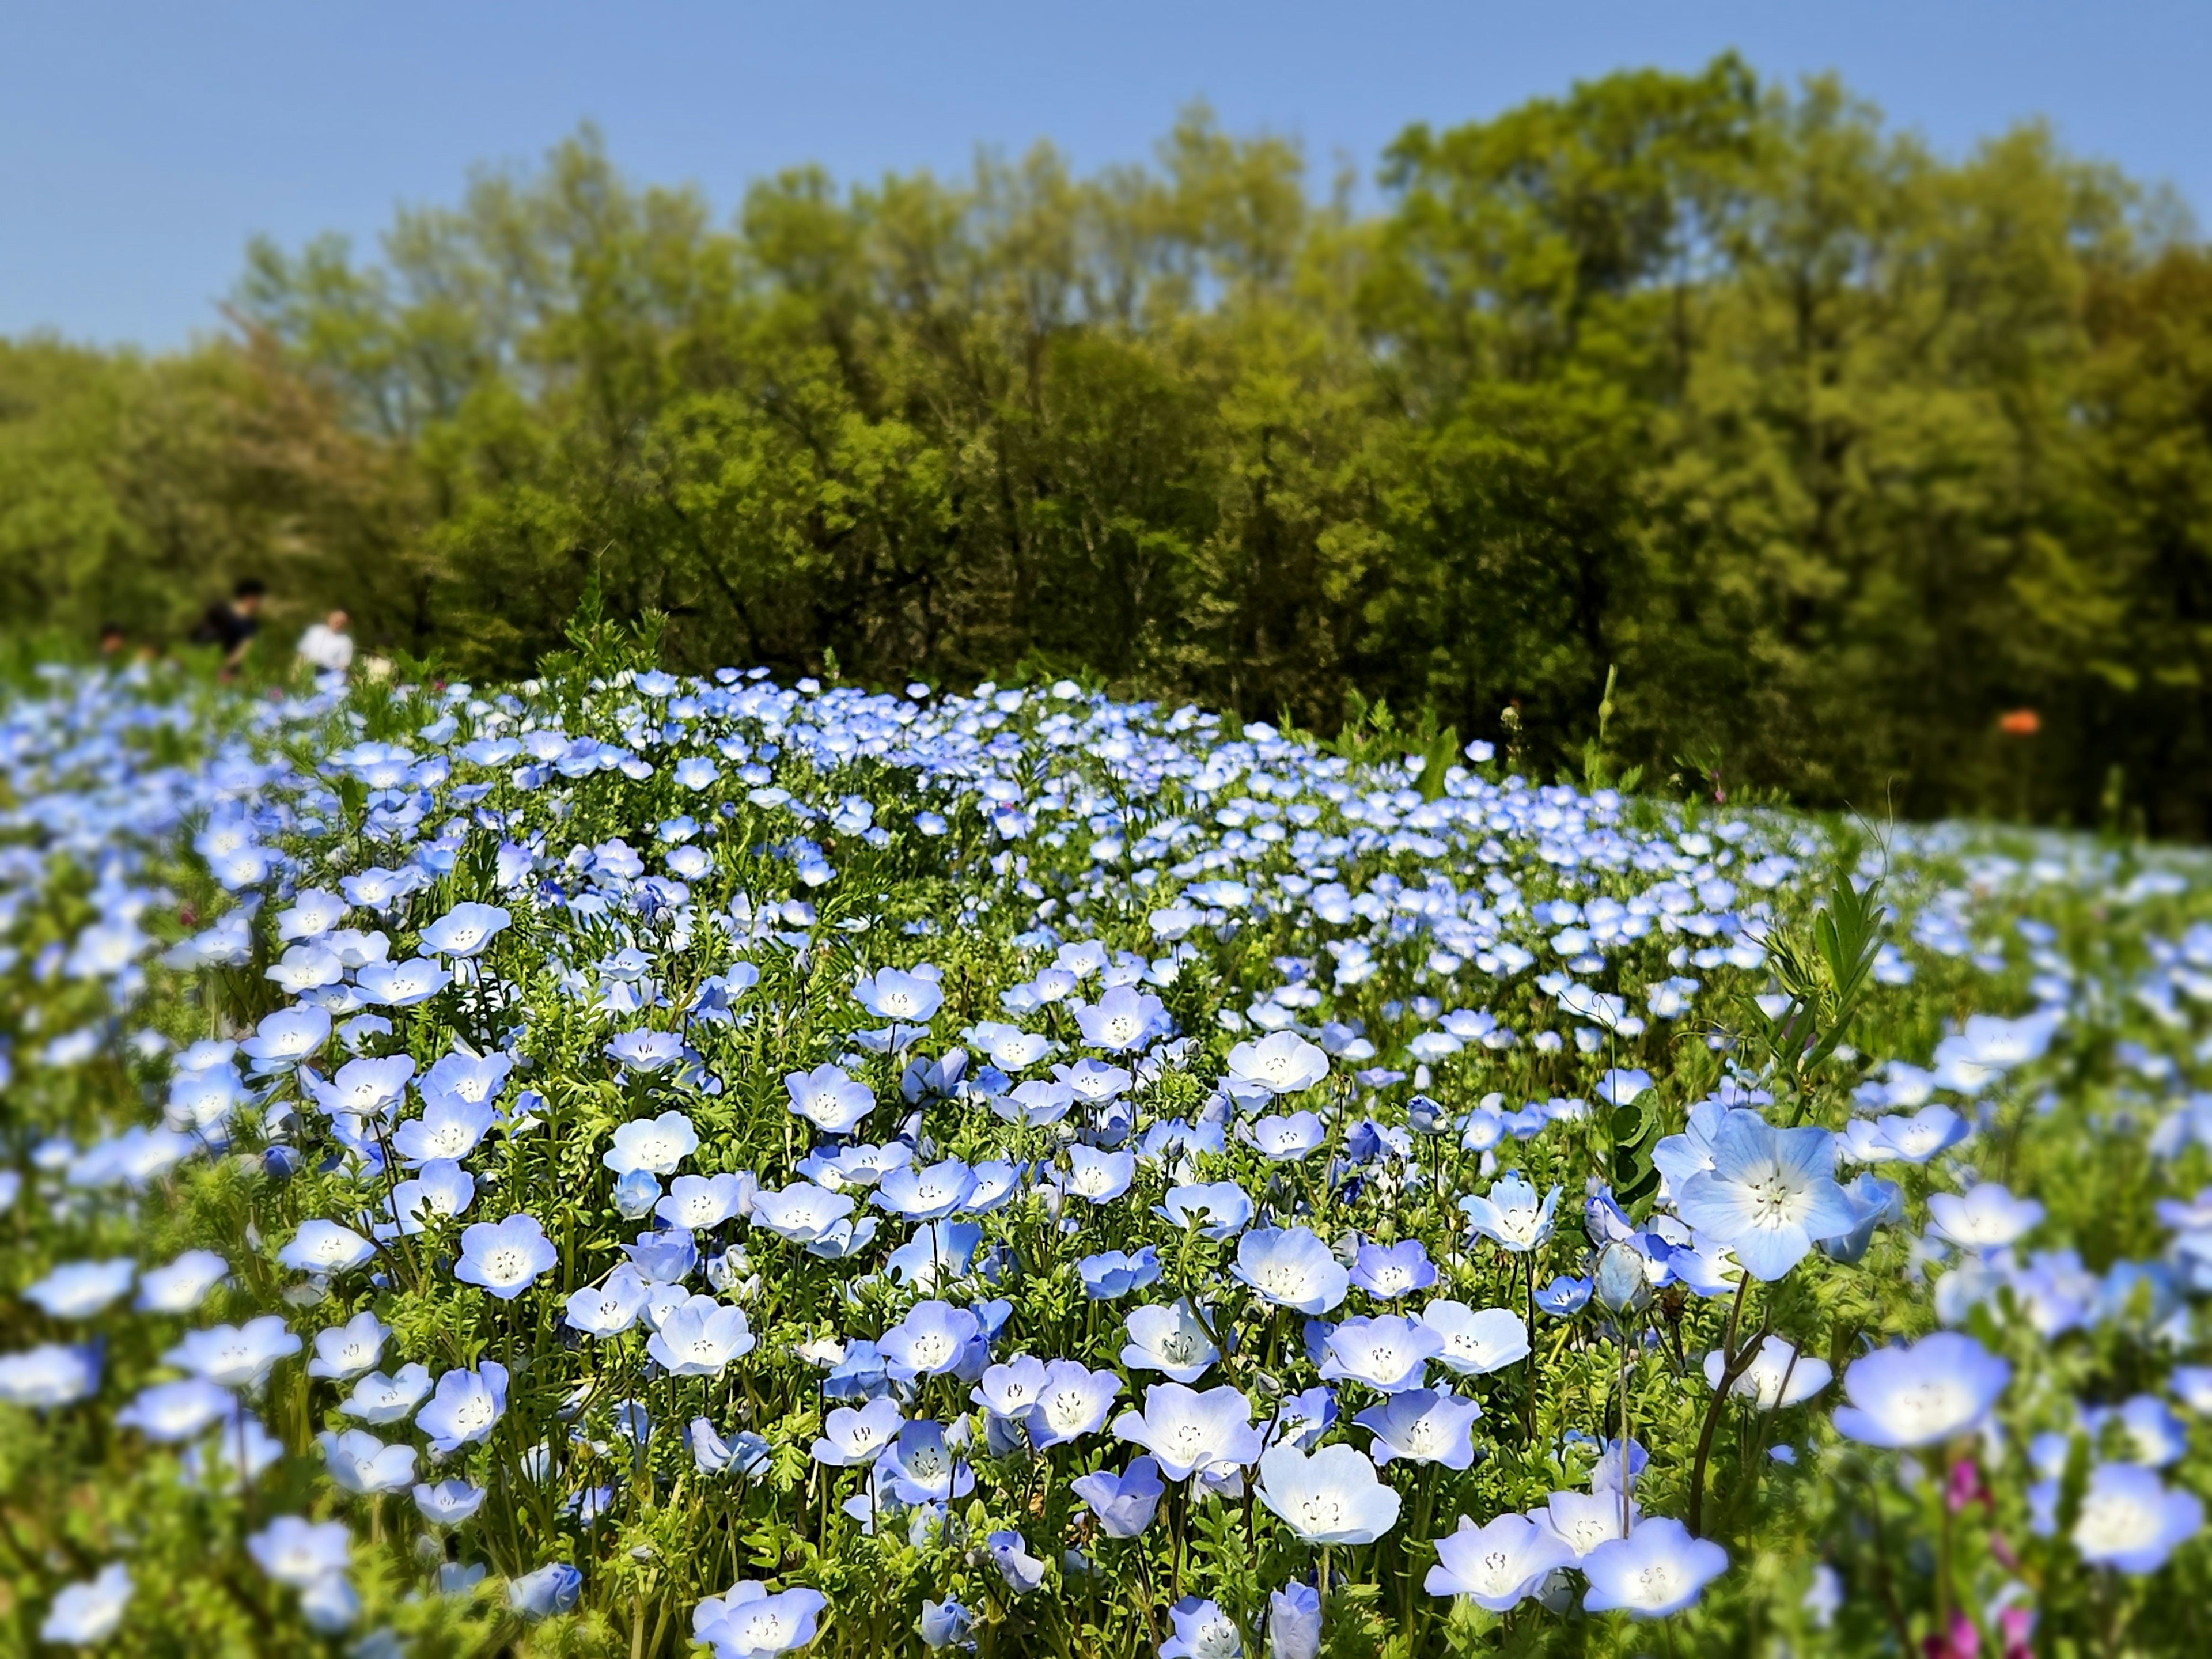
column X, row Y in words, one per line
column 141, row 144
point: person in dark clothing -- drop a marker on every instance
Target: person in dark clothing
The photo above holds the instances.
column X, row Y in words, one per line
column 233, row 625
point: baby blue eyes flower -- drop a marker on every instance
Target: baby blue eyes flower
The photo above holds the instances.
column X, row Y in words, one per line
column 299, row 1552
column 1769, row 1194
column 1220, row 1209
column 1282, row 1063
column 926, row 1194
column 1122, row 1019
column 922, row 1467
column 1423, row 1425
column 236, row 1356
column 1777, row 1375
column 1008, row 1552
column 464, row 930
column 1388, row 1353
column 1201, row 1631
column 699, row 1338
column 1190, row 1433
column 401, row 984
column 852, row 1437
column 1985, row 1218
column 1071, row 1400
column 466, row 1408
column 358, row 1461
column 1169, row 1339
column 1476, row 1342
column 1389, row 1271
column 943, row 1624
column 1124, row 1503
column 449, row 1503
column 654, row 1144
column 1285, row 1140
column 87, row 1613
column 504, row 1257
column 168, row 1412
column 551, row 1588
column 646, row 1052
column 1564, row 1297
column 1510, row 1214
column 2130, row 1520
column 345, row 1352
column 1291, row 1268
column 1658, row 1568
column 1113, row 1273
column 378, row 1399
column 933, row 1337
column 635, row 1194
column 1500, row 1566
column 1294, row 1622
column 748, row 1622
column 80, row 1289
column 901, row 997
column 1100, row 1177
column 826, row 1098
column 801, row 1212
column 1936, row 1389
column 286, row 1037
column 1333, row 1497
column 695, row 773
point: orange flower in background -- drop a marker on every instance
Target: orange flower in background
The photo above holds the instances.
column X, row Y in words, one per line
column 2019, row 723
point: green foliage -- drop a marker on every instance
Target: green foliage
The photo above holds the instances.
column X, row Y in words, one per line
column 1832, row 450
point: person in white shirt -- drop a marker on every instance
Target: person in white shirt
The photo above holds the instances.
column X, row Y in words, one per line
column 326, row 647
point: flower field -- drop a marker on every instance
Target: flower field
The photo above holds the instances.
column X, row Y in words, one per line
column 633, row 1165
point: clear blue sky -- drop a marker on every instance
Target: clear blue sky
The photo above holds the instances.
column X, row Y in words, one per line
column 141, row 144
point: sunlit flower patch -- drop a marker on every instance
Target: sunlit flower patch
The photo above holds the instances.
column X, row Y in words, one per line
column 646, row 1164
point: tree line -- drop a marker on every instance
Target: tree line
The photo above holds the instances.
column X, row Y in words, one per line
column 1845, row 462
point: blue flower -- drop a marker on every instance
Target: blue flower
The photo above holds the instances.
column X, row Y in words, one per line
column 466, row 1408
column 1658, row 1568
column 933, row 1337
column 1387, row 1272
column 943, row 1624
column 1499, row 1565
column 1202, row 1631
column 1111, row 1274
column 1124, row 1503
column 1190, row 1433
column 1769, row 1194
column 551, row 1588
column 1510, row 1214
column 464, row 930
column 504, row 1257
column 1294, row 1622
column 1291, row 1268
column 1938, row 1389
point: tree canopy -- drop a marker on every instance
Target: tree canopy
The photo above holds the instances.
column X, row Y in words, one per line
column 1830, row 450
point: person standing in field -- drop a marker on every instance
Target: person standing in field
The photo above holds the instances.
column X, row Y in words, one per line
column 232, row 625
column 325, row 646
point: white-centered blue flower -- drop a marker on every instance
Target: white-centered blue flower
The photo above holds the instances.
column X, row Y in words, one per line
column 1937, row 1389
column 1191, row 1433
column 1658, row 1568
column 1171, row 1340
column 1423, row 1425
column 1125, row 1503
column 1499, row 1565
column 1510, row 1214
column 1769, row 1196
column 504, row 1257
column 1332, row 1497
column 1291, row 1268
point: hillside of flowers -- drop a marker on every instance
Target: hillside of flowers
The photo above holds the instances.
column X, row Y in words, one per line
column 632, row 1164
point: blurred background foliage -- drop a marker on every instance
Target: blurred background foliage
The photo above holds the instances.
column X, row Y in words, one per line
column 1836, row 451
